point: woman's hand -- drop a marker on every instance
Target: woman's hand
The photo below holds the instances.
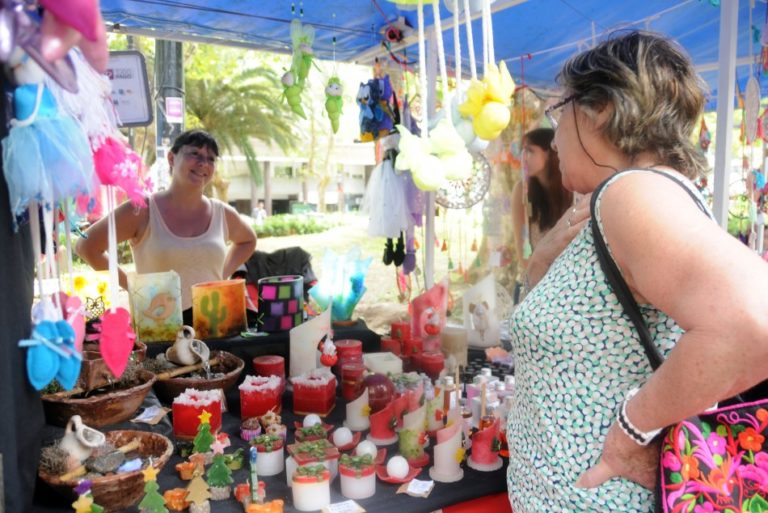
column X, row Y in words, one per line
column 622, row 457
column 555, row 241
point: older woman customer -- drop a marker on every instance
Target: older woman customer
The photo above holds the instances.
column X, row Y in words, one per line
column 630, row 105
column 181, row 229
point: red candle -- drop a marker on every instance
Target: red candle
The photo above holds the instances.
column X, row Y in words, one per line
column 412, row 346
column 269, row 365
column 352, row 380
column 260, row 394
column 432, row 362
column 400, row 330
column 348, row 350
column 314, row 392
column 391, row 344
column 188, row 406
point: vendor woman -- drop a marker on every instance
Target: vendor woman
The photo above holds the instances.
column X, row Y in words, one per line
column 181, row 229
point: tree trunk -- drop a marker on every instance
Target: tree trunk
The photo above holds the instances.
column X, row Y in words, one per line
column 268, row 187
column 304, row 190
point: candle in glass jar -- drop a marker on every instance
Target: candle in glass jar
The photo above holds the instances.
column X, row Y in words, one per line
column 348, row 350
column 269, row 365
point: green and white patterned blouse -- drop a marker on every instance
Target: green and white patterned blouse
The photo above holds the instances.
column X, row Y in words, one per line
column 576, row 358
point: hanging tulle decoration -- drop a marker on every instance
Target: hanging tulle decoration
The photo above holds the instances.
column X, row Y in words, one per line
column 116, row 164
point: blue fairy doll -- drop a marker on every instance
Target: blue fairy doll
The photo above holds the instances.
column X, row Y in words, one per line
column 46, row 156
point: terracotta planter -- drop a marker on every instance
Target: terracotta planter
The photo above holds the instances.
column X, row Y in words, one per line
column 117, row 492
column 101, row 409
column 231, row 366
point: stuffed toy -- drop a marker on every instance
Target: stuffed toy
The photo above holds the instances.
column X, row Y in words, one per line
column 334, row 101
column 292, row 91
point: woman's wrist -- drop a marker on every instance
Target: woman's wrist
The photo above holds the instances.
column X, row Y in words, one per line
column 629, row 428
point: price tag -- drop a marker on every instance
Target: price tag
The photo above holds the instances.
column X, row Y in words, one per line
column 419, row 488
column 349, row 506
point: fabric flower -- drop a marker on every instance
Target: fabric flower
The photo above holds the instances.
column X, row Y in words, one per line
column 762, row 414
column 704, row 508
column 716, row 443
column 690, row 468
column 751, row 440
column 671, row 461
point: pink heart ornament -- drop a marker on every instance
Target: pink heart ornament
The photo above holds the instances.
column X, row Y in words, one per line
column 117, row 339
column 74, row 314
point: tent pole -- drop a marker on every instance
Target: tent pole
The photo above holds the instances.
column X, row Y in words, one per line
column 729, row 20
column 429, row 223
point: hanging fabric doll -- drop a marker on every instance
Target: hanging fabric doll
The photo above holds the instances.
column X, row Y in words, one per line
column 302, row 37
column 334, row 101
column 292, row 91
column 385, row 198
column 46, row 155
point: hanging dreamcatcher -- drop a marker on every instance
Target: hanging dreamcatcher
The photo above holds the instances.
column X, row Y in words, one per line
column 470, row 191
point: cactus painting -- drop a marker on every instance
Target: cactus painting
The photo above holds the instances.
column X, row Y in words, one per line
column 218, row 308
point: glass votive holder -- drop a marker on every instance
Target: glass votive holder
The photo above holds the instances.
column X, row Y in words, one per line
column 352, row 379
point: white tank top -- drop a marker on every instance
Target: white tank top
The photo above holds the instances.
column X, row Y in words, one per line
column 196, row 259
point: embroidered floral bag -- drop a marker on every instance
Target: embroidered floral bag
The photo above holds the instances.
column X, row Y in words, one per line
column 716, row 461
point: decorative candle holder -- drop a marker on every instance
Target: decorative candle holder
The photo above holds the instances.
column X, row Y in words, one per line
column 358, row 413
column 149, row 294
column 383, row 424
column 269, row 365
column 314, row 392
column 413, row 437
column 269, row 461
column 435, row 411
column 485, row 449
column 218, row 308
column 311, row 488
column 305, row 342
column 281, row 302
column 250, row 429
column 400, row 406
column 400, row 330
column 187, row 408
column 260, row 394
column 358, row 479
column 448, row 455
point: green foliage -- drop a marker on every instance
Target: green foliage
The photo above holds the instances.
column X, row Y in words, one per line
column 152, row 502
column 289, row 224
column 219, row 474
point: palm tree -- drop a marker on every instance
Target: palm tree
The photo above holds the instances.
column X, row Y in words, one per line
column 238, row 109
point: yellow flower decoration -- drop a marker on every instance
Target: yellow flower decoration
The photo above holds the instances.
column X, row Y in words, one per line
column 205, row 417
column 101, row 287
column 488, row 102
column 460, row 455
column 150, row 474
column 83, row 504
column 365, row 411
column 79, row 282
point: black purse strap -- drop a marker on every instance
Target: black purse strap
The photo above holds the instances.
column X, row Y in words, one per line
column 616, row 280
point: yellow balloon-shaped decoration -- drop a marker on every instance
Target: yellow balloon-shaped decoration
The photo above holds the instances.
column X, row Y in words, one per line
column 429, row 174
column 492, row 119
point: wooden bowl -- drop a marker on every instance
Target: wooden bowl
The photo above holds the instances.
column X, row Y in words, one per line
column 167, row 390
column 117, row 492
column 99, row 409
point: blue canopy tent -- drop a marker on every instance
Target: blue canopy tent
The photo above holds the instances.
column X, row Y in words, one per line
column 543, row 32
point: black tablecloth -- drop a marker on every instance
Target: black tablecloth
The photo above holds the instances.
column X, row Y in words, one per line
column 475, row 484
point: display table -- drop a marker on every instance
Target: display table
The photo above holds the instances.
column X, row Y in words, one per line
column 276, row 343
column 475, row 484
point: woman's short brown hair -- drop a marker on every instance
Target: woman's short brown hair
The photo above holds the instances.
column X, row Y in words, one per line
column 656, row 96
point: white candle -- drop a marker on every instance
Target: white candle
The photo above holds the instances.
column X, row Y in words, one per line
column 358, row 413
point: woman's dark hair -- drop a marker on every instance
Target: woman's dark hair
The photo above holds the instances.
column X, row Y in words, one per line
column 548, row 202
column 654, row 91
column 196, row 138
